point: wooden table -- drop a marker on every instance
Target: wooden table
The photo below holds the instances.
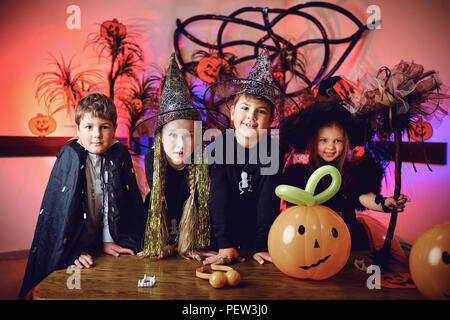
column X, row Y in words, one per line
column 117, row 278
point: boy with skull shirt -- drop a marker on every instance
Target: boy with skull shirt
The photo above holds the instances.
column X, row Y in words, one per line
column 245, row 168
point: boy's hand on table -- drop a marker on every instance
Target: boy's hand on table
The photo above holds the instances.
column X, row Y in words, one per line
column 199, row 255
column 115, row 250
column 261, row 257
column 225, row 256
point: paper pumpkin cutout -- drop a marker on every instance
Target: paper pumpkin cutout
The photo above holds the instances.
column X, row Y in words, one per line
column 112, row 29
column 42, row 125
column 208, row 68
column 358, row 151
column 420, row 130
column 137, row 103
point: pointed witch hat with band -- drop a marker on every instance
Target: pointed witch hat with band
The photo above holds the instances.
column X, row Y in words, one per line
column 175, row 100
column 176, row 104
column 259, row 83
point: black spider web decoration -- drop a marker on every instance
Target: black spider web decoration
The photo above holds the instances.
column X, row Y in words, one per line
column 267, row 25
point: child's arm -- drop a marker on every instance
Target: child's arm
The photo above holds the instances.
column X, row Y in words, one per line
column 268, row 208
column 368, row 200
column 219, row 205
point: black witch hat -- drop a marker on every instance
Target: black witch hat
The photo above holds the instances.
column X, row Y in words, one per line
column 296, row 129
column 175, row 100
column 220, row 95
column 175, row 104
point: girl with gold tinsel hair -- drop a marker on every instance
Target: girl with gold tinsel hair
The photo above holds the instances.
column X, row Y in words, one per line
column 178, row 216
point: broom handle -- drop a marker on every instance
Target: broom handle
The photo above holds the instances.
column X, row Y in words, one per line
column 398, row 184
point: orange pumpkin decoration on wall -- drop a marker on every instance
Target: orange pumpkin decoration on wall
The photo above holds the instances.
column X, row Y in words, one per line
column 42, row 125
column 137, row 103
column 208, row 68
column 309, row 241
column 420, row 130
column 429, row 262
column 358, row 151
column 113, row 29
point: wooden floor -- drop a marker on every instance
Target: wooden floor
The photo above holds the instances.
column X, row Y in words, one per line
column 117, row 278
column 12, row 269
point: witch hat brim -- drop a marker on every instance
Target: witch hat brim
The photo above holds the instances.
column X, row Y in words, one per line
column 148, row 127
column 297, row 129
column 175, row 104
column 221, row 95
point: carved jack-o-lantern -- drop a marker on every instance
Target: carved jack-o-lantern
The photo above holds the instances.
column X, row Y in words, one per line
column 358, row 151
column 42, row 125
column 420, row 130
column 209, row 67
column 137, row 103
column 309, row 241
column 429, row 262
column 112, row 29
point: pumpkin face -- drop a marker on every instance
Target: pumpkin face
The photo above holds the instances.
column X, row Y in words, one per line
column 112, row 29
column 429, row 262
column 137, row 104
column 42, row 125
column 358, row 151
column 420, row 130
column 309, row 242
column 209, row 67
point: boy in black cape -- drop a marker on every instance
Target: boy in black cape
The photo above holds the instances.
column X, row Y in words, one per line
column 92, row 202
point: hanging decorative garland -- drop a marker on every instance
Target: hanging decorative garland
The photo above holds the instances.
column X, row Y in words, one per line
column 286, row 54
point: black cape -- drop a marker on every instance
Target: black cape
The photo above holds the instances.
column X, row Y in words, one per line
column 63, row 228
